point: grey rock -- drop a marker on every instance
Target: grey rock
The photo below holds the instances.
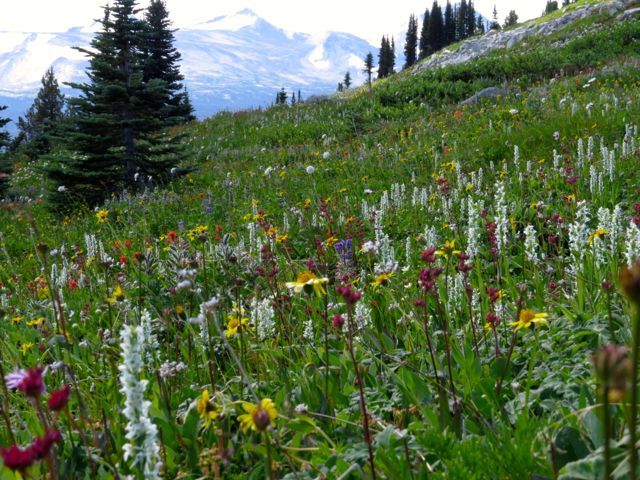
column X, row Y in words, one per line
column 626, row 15
column 487, row 93
column 316, row 99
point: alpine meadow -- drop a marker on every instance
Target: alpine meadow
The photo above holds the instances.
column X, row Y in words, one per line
column 431, row 273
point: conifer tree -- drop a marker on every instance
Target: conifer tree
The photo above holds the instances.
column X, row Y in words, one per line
column 495, row 25
column 368, row 67
column 293, row 98
column 425, row 49
column 411, row 44
column 471, row 19
column 436, row 28
column 299, row 96
column 383, row 58
column 40, row 122
column 5, row 160
column 160, row 65
column 461, row 21
column 511, row 19
column 281, row 98
column 340, row 87
column 450, row 25
column 347, row 80
column 392, row 57
column 480, row 27
column 551, row 6
column 115, row 136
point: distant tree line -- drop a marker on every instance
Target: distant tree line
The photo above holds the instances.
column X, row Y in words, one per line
column 439, row 29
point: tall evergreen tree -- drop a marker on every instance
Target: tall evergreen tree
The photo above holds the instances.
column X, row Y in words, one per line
column 392, row 57
column 281, row 97
column 38, row 126
column 471, row 19
column 347, row 80
column 480, row 26
column 551, row 6
column 114, row 137
column 161, row 65
column 461, row 21
column 495, row 25
column 436, row 27
column 449, row 25
column 411, row 43
column 5, row 160
column 425, row 48
column 383, row 58
column 368, row 67
column 511, row 19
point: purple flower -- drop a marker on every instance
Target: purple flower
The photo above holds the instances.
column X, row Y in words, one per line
column 14, row 379
column 345, row 250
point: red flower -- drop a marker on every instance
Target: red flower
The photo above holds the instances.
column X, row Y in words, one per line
column 41, row 446
column 72, row 284
column 350, row 297
column 15, row 458
column 59, row 399
column 338, row 321
column 32, row 384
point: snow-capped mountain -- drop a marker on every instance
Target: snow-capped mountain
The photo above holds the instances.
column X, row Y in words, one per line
column 230, row 62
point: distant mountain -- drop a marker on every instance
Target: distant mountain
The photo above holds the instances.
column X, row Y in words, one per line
column 230, row 62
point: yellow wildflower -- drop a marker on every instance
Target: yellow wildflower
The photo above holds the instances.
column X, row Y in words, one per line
column 448, row 249
column 25, row 347
column 199, row 232
column 258, row 416
column 16, row 319
column 236, row 321
column 206, row 410
column 102, row 215
column 308, row 281
column 528, row 318
column 117, row 295
column 382, row 279
column 36, row 322
column 601, row 232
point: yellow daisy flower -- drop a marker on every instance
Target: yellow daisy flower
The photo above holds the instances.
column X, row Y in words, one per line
column 448, row 249
column 258, row 416
column 528, row 318
column 308, row 281
column 382, row 279
column 117, row 295
column 206, row 410
column 102, row 215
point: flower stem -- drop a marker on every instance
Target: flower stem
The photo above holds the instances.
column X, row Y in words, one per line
column 607, row 433
column 269, row 461
column 363, row 405
column 633, row 436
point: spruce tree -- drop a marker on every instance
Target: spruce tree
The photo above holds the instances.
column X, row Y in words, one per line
column 480, row 27
column 511, row 19
column 5, row 159
column 40, row 123
column 461, row 21
column 368, row 67
column 551, row 6
column 471, row 19
column 392, row 57
column 347, row 80
column 495, row 25
column 281, row 98
column 114, row 137
column 411, row 43
column 160, row 65
column 383, row 58
column 450, row 25
column 436, row 28
column 425, row 49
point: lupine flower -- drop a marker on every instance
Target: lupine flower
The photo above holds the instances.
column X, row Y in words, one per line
column 527, row 318
column 258, row 416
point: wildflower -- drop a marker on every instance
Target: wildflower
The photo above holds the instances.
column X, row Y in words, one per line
column 351, row 297
column 25, row 347
column 28, row 382
column 528, row 318
column 16, row 458
column 513, row 111
column 382, row 279
column 235, row 322
column 117, row 295
column 36, row 322
column 310, row 169
column 614, row 368
column 492, row 319
column 600, row 232
column 102, row 215
column 198, row 233
column 258, row 416
column 338, row 321
column 41, row 446
column 326, row 155
column 206, row 410
column 630, row 282
column 369, row 247
column 62, row 189
column 309, row 281
column 59, row 399
column 448, row 249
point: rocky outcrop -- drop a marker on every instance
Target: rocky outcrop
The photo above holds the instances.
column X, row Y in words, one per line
column 494, row 39
column 487, row 93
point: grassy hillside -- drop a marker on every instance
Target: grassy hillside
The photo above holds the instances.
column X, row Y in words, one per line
column 485, row 243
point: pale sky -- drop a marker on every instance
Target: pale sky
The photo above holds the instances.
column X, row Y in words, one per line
column 365, row 18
